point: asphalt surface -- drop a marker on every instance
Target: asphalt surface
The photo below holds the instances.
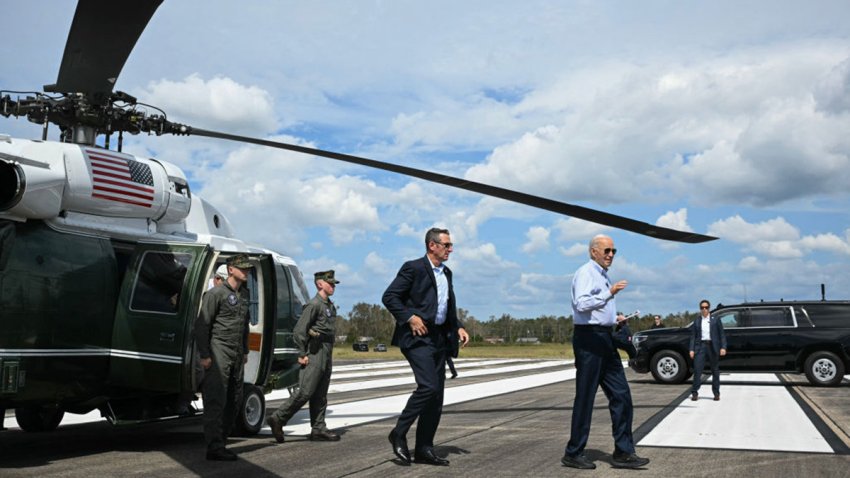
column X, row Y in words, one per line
column 514, row 434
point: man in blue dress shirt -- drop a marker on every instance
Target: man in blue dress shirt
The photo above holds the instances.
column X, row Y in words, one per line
column 597, row 361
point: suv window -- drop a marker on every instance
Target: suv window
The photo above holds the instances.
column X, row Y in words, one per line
column 731, row 318
column 829, row 315
column 771, row 317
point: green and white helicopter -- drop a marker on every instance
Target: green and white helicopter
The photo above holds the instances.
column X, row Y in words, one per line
column 104, row 256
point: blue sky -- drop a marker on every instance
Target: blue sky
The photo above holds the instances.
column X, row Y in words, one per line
column 718, row 117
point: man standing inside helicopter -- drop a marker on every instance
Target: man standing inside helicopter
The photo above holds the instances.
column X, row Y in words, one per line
column 221, row 332
column 314, row 338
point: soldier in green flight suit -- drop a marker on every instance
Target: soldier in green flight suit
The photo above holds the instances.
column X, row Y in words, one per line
column 314, row 338
column 221, row 333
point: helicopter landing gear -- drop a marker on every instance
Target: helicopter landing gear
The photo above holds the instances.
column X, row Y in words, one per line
column 35, row 418
column 252, row 411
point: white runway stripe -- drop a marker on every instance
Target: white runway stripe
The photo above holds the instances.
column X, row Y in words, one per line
column 371, row 366
column 392, row 382
column 403, row 363
column 354, row 413
column 405, row 368
column 747, row 417
column 94, row 415
column 408, row 379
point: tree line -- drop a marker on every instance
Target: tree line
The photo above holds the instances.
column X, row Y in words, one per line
column 375, row 322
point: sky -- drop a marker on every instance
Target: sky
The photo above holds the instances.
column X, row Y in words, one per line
column 724, row 118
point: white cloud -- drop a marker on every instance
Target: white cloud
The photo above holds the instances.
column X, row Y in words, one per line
column 736, row 229
column 735, row 128
column 832, row 93
column 376, row 264
column 778, row 239
column 219, row 103
column 577, row 229
column 675, row 220
column 538, row 240
column 828, row 243
column 575, row 250
column 405, row 230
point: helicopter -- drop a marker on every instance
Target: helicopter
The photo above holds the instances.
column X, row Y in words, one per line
column 104, row 255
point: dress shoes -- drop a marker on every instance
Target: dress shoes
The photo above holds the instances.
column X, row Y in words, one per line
column 400, row 447
column 324, row 435
column 277, row 428
column 579, row 461
column 694, row 396
column 628, row 460
column 221, row 454
column 716, row 397
column 428, row 457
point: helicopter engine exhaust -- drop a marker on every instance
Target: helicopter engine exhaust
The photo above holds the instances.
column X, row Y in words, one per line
column 12, row 185
column 45, row 180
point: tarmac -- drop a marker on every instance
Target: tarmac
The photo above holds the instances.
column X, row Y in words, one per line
column 501, row 419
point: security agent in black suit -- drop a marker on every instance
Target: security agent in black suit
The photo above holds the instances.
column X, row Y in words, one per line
column 422, row 301
column 712, row 342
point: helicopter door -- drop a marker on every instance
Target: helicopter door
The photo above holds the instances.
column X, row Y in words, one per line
column 154, row 316
column 261, row 288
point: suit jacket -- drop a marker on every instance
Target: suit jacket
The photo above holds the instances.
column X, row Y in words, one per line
column 718, row 335
column 414, row 292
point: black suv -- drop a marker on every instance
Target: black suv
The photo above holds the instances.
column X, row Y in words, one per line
column 812, row 337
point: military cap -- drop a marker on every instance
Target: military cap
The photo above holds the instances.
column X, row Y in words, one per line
column 241, row 261
column 327, row 276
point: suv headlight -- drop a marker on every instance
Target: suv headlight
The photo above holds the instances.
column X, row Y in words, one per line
column 638, row 339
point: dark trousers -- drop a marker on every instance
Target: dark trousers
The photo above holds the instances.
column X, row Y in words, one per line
column 313, row 383
column 428, row 362
column 703, row 349
column 222, row 391
column 599, row 364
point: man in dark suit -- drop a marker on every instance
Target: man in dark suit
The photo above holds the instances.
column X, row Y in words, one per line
column 707, row 338
column 422, row 301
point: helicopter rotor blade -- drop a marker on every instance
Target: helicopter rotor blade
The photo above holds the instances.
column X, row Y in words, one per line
column 101, row 38
column 578, row 212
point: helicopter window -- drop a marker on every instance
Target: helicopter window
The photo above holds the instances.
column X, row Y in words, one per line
column 159, row 282
column 301, row 294
column 284, row 297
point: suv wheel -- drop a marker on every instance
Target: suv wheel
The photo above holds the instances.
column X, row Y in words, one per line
column 824, row 369
column 668, row 366
column 36, row 418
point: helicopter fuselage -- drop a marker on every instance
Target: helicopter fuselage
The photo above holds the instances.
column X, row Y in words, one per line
column 104, row 258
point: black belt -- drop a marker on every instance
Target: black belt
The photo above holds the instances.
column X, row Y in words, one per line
column 706, row 341
column 595, row 327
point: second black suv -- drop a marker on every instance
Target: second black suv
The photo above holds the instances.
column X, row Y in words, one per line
column 812, row 337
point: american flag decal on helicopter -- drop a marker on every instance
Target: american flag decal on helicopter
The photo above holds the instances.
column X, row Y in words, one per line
column 115, row 178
